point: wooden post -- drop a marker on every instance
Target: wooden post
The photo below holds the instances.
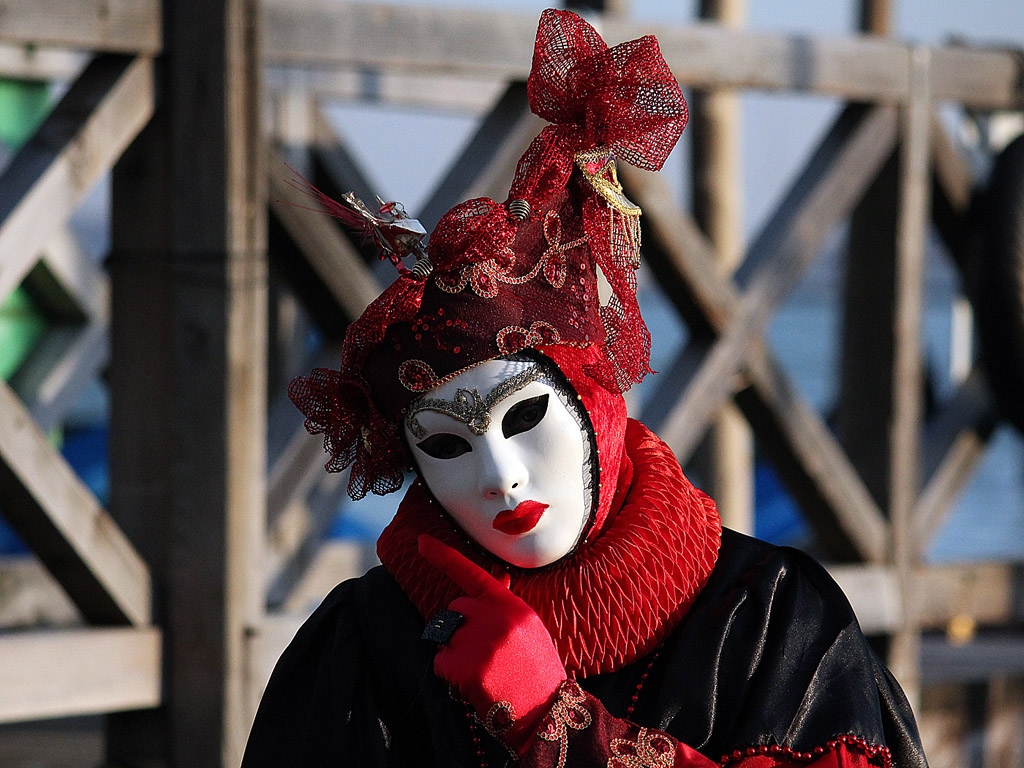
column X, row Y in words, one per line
column 188, row 379
column 907, row 375
column 718, row 207
column 876, row 17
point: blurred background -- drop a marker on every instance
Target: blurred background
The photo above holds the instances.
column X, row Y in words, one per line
column 842, row 225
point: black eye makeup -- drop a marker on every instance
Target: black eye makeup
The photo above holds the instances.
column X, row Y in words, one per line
column 444, row 446
column 524, row 415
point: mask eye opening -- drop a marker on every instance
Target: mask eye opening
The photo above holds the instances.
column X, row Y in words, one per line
column 524, row 415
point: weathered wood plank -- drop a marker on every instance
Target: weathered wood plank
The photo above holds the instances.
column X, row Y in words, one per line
column 74, row 294
column 982, row 593
column 908, row 367
column 328, row 252
column 27, row 62
column 299, row 532
column 78, row 142
column 59, row 368
column 856, row 68
column 977, row 77
column 59, row 673
column 115, row 26
column 463, row 93
column 265, row 645
column 64, row 524
column 294, row 456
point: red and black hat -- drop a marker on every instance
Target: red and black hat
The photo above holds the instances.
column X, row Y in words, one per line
column 496, row 278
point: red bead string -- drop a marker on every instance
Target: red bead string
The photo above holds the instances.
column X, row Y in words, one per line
column 640, row 684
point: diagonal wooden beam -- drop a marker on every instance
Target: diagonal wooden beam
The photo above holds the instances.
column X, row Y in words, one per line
column 812, row 464
column 952, row 188
column 60, row 366
column 336, row 170
column 488, row 161
column 60, row 673
column 79, row 141
column 64, row 524
column 802, row 447
column 954, row 443
column 328, row 252
column 74, row 294
column 826, row 190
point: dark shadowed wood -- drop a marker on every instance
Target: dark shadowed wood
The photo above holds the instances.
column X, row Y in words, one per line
column 189, row 309
column 63, row 523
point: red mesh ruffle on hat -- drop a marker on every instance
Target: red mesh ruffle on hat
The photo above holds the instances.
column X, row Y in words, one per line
column 354, row 432
column 614, row 600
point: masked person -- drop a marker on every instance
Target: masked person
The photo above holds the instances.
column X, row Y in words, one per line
column 554, row 592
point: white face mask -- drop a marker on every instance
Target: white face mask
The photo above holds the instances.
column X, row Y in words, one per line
column 502, row 452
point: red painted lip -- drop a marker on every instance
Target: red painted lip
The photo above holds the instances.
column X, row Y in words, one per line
column 523, row 518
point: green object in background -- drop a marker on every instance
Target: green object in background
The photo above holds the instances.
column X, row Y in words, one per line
column 21, row 328
column 23, row 105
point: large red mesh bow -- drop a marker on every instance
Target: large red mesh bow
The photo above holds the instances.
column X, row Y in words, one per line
column 625, row 97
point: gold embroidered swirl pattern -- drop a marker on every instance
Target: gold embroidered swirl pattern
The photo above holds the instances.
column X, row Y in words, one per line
column 649, row 750
column 566, row 713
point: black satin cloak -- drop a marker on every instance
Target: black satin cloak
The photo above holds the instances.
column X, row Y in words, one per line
column 770, row 653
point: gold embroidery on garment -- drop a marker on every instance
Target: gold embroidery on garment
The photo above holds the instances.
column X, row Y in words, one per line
column 485, row 277
column 468, row 406
column 566, row 713
column 649, row 750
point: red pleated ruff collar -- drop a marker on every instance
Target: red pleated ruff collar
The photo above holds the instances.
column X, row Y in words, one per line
column 614, row 600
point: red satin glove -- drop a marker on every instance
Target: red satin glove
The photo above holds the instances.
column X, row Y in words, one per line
column 502, row 652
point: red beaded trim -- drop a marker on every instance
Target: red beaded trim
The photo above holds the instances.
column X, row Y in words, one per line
column 870, row 751
column 640, row 685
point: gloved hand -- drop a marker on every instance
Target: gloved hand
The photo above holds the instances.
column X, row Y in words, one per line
column 502, row 652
